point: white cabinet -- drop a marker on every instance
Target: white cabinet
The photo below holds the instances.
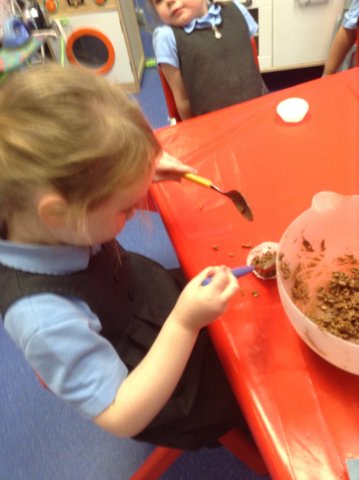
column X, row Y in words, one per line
column 294, row 33
column 302, row 31
column 261, row 10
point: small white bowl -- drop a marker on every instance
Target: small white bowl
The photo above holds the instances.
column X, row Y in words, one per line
column 292, row 110
column 259, row 250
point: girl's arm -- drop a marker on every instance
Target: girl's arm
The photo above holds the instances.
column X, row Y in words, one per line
column 175, row 81
column 343, row 41
column 148, row 387
column 165, row 48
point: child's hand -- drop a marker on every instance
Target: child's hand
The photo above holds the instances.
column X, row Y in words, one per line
column 144, row 392
column 170, row 168
column 200, row 305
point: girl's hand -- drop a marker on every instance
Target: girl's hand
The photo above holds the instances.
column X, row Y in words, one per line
column 170, row 168
column 200, row 305
column 144, row 392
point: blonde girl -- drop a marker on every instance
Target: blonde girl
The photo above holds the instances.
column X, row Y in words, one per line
column 108, row 331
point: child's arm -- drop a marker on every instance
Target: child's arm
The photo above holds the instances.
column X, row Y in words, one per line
column 175, row 81
column 148, row 387
column 343, row 41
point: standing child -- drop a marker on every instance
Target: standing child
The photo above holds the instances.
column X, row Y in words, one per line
column 107, row 331
column 205, row 53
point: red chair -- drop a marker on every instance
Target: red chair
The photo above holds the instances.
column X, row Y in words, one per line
column 173, row 114
column 160, row 460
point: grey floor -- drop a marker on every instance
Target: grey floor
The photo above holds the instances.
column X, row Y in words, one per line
column 43, row 439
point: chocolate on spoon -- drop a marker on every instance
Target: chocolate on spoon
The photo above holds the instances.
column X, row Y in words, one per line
column 263, row 259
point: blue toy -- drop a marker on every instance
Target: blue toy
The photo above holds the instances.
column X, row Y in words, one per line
column 16, row 34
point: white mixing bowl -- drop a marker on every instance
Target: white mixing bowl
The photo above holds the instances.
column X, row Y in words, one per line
column 309, row 251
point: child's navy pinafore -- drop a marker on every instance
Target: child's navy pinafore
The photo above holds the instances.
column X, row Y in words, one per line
column 132, row 296
column 219, row 72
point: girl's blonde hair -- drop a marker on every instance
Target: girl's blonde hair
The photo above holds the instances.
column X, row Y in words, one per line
column 72, row 131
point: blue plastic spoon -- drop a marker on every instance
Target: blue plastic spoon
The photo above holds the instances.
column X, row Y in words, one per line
column 237, row 272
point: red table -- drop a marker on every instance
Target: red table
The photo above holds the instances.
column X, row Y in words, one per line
column 304, row 412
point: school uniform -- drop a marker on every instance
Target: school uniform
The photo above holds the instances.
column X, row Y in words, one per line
column 215, row 56
column 351, row 16
column 85, row 317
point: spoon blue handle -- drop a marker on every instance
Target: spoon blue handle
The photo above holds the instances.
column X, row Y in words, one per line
column 237, row 272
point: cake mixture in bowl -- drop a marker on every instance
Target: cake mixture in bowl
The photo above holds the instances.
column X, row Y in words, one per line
column 317, row 277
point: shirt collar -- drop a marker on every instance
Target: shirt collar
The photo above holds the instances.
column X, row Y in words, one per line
column 50, row 260
column 211, row 18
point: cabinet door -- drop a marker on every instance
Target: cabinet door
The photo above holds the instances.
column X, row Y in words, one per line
column 132, row 35
column 261, row 11
column 303, row 31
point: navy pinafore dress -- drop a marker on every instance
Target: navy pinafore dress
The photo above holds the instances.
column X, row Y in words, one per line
column 132, row 296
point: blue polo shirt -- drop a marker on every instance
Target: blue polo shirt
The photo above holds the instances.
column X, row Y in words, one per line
column 164, row 43
column 59, row 335
column 350, row 19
